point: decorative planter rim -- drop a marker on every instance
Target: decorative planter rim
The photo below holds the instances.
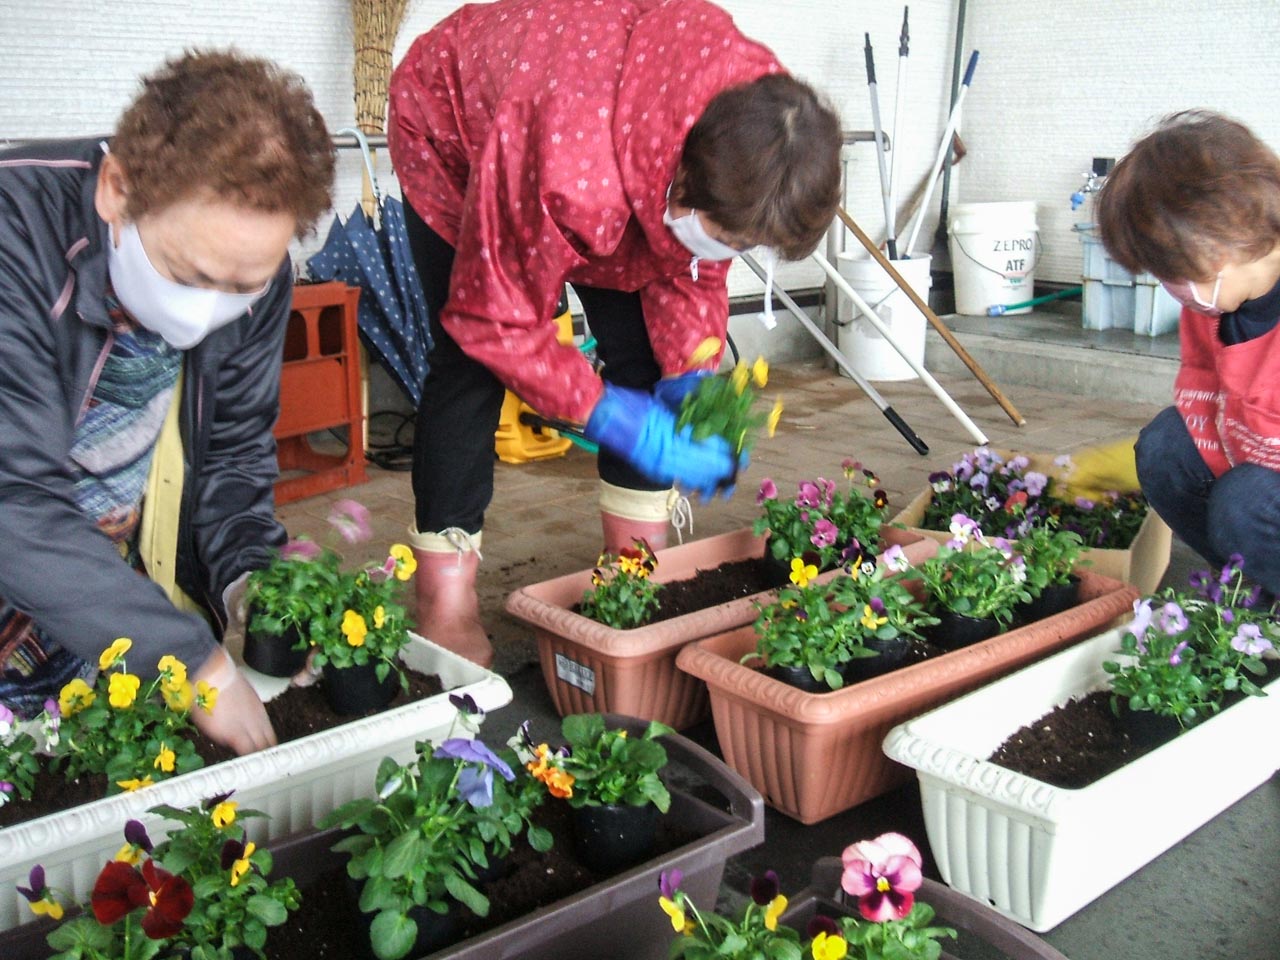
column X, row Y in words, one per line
column 546, row 604
column 705, row 659
column 73, row 843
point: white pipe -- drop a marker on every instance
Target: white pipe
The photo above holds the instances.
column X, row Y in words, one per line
column 925, row 376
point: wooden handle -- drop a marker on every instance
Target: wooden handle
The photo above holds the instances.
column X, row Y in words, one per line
column 947, row 335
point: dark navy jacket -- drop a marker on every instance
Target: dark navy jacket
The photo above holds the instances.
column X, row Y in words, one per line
column 55, row 565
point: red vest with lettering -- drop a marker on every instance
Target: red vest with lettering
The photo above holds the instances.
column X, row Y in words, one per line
column 1229, row 397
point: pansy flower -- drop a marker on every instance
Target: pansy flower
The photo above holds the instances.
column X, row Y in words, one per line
column 406, row 562
column 301, row 549
column 768, row 491
column 895, row 559
column 122, row 690
column 121, row 888
column 801, row 572
column 1249, row 640
column 883, row 874
column 771, row 422
column 354, row 628
column 236, row 856
column 826, row 946
column 351, row 519
column 39, row 896
column 766, row 892
column 112, row 655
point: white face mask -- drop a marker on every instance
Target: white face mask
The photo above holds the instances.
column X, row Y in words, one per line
column 182, row 315
column 1186, row 294
column 688, row 230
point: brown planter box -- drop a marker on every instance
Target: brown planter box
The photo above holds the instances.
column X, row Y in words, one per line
column 589, row 925
column 972, row 919
column 815, row 755
column 591, row 668
column 1142, row 565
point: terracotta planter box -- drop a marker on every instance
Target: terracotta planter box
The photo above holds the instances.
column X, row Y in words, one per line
column 814, row 755
column 592, row 924
column 591, row 668
column 972, row 919
column 1039, row 853
column 295, row 784
column 1142, row 565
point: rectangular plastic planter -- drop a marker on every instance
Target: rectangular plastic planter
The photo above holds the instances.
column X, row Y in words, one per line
column 295, row 783
column 814, row 755
column 1143, row 564
column 618, row 917
column 825, row 897
column 592, row 668
column 1039, row 853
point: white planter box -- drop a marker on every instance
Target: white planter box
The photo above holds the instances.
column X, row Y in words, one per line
column 1039, row 853
column 295, row 783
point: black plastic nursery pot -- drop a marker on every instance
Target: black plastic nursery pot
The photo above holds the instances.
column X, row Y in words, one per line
column 956, row 630
column 274, row 655
column 890, row 654
column 614, row 836
column 981, row 928
column 799, row 677
column 1053, row 599
column 355, row 690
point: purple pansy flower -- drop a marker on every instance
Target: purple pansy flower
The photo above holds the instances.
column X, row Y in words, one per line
column 136, row 834
column 475, row 786
column 669, row 883
column 1175, row 658
column 1172, row 620
column 765, row 889
column 300, row 549
column 768, row 491
column 820, row 923
column 824, row 533
column 35, row 890
column 895, row 560
column 473, row 751
column 351, row 519
column 809, row 495
column 1249, row 640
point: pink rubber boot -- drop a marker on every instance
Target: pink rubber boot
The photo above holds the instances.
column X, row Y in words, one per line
column 448, row 608
column 627, row 515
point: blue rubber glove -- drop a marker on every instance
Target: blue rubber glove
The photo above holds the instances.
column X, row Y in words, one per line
column 640, row 429
column 672, row 390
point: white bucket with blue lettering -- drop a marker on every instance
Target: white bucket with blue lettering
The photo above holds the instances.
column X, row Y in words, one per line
column 994, row 247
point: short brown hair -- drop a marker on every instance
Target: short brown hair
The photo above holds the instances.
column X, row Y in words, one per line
column 763, row 162
column 1199, row 190
column 238, row 127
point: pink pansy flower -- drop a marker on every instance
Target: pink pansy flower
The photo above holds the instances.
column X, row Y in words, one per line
column 895, row 560
column 768, row 491
column 824, row 533
column 300, row 549
column 351, row 519
column 809, row 496
column 883, row 874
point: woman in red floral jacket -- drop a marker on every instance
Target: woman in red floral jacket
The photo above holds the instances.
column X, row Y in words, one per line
column 1197, row 204
column 630, row 149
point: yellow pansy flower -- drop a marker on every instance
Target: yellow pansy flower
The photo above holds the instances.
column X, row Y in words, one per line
column 679, row 923
column 354, row 628
column 206, row 696
column 240, row 867
column 128, row 786
column 704, row 351
column 164, row 759
column 739, row 378
column 760, row 373
column 379, row 617
column 119, row 647
column 773, row 911
column 178, row 697
column 829, row 947
column 869, row 618
column 771, row 425
column 173, row 671
column 801, row 572
column 74, row 697
column 122, row 690
column 47, row 908
column 129, row 854
column 224, row 814
column 406, row 562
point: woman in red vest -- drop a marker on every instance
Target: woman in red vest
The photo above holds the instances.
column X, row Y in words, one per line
column 1196, row 203
column 630, row 150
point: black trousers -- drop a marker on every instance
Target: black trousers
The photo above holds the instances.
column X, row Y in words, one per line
column 453, row 442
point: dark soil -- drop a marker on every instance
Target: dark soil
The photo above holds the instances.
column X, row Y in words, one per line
column 1082, row 741
column 294, row 714
column 709, row 588
column 329, row 926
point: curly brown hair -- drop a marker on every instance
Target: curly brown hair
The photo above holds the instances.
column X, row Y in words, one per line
column 237, row 127
column 1199, row 190
column 763, row 162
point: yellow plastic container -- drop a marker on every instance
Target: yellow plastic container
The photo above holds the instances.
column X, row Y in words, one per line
column 517, row 442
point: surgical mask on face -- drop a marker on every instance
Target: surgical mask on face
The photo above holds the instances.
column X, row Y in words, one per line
column 1186, row 294
column 182, row 315
column 689, row 231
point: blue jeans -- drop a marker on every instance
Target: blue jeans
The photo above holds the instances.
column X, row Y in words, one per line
column 1238, row 512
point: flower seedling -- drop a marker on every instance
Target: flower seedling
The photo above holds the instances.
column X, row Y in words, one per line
column 1183, row 652
column 822, row 524
column 623, row 594
column 974, row 576
column 725, row 407
column 756, row 934
column 599, row 766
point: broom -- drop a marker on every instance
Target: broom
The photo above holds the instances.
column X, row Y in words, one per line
column 376, row 23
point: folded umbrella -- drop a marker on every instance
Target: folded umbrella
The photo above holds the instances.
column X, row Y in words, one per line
column 375, row 257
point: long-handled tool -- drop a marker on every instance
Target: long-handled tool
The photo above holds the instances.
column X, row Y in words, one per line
column 895, row 168
column 918, row 445
column 945, row 146
column 1000, row 309
column 929, row 315
column 879, row 133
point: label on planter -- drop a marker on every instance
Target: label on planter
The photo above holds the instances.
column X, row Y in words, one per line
column 575, row 674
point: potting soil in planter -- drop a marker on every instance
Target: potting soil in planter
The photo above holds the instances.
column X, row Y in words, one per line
column 328, row 926
column 295, row 713
column 729, row 581
column 1081, row 742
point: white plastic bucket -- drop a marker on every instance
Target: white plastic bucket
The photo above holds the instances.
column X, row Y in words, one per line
column 862, row 344
column 994, row 247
